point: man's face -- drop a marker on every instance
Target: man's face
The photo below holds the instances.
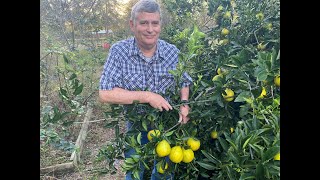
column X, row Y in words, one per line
column 146, row 29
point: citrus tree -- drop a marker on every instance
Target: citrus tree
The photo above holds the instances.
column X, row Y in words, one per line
column 234, row 127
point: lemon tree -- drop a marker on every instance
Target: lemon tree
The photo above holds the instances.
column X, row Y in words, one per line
column 235, row 96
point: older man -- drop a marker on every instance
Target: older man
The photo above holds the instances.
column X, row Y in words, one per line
column 137, row 69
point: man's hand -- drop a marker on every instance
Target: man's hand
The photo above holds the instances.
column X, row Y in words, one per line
column 183, row 115
column 158, row 102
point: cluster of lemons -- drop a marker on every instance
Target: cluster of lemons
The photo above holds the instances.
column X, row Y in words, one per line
column 229, row 93
column 176, row 153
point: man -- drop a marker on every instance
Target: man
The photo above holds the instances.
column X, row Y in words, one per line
column 143, row 62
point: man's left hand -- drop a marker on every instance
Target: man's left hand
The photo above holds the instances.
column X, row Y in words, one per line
column 183, row 115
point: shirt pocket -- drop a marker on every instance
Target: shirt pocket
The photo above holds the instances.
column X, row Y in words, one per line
column 133, row 82
column 166, row 82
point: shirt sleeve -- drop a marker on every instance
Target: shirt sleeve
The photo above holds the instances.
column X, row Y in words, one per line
column 111, row 74
column 186, row 80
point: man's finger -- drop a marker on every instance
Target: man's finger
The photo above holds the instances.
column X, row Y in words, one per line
column 180, row 118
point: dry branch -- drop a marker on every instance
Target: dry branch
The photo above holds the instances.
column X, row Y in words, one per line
column 75, row 156
column 59, row 168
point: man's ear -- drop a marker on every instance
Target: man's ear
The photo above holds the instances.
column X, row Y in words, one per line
column 131, row 25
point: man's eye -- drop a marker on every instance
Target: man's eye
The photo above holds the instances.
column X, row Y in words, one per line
column 143, row 22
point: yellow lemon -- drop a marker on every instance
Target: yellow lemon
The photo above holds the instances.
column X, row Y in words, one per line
column 219, row 71
column 188, row 155
column 230, row 95
column 224, row 31
column 260, row 16
column 277, row 81
column 261, row 46
column 154, row 133
column 227, row 15
column 217, row 77
column 231, row 129
column 277, row 156
column 214, row 134
column 163, row 148
column 176, row 154
column 160, row 170
column 193, row 143
column 269, row 26
column 263, row 93
column 220, row 8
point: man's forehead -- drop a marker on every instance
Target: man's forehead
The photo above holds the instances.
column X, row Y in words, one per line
column 146, row 15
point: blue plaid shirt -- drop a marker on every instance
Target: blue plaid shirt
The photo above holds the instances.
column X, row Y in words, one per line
column 126, row 67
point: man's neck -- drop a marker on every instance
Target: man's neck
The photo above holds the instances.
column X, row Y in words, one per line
column 148, row 51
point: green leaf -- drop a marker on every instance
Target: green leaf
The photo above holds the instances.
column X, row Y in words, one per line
column 242, row 96
column 139, row 138
column 210, row 157
column 270, row 153
column 72, row 76
column 136, row 174
column 144, row 125
column 207, row 166
column 262, row 75
column 63, row 92
column 65, row 59
column 259, row 172
column 246, row 142
column 169, row 133
column 223, row 144
column 78, row 90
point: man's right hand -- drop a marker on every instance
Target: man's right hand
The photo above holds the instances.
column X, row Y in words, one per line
column 158, row 102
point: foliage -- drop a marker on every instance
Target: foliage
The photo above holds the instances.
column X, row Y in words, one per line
column 248, row 56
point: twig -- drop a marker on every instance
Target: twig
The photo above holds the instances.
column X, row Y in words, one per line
column 172, row 127
column 79, row 122
column 45, row 56
column 88, row 98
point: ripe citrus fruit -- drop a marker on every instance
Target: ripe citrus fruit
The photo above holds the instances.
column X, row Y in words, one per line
column 163, row 148
column 227, row 15
column 231, row 129
column 188, row 155
column 260, row 16
column 224, row 31
column 214, row 134
column 193, row 143
column 230, row 95
column 154, row 133
column 277, row 156
column 269, row 26
column 220, row 8
column 277, row 81
column 217, row 77
column 159, row 168
column 263, row 93
column 261, row 46
column 176, row 154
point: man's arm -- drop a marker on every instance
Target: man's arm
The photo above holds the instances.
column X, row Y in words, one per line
column 184, row 109
column 122, row 96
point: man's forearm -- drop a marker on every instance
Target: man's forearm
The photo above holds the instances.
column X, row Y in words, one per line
column 184, row 93
column 122, row 96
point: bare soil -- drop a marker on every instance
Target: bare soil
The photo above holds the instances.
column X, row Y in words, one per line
column 97, row 137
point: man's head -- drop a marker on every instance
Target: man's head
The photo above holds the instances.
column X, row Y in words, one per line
column 145, row 23
column 150, row 6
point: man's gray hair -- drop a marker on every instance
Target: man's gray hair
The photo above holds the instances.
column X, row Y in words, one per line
column 150, row 6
